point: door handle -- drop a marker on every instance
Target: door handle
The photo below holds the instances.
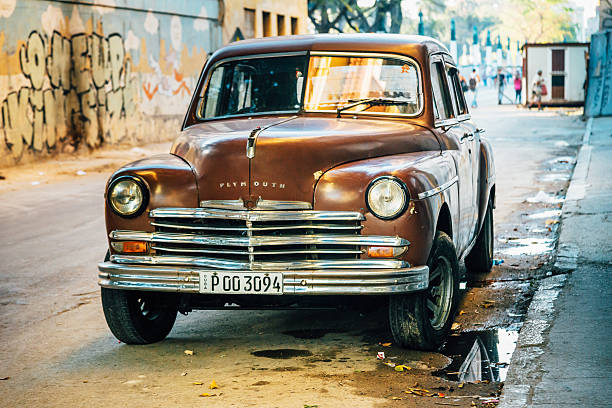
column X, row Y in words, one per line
column 467, row 135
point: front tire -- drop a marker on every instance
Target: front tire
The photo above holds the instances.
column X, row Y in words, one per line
column 422, row 320
column 138, row 317
column 480, row 258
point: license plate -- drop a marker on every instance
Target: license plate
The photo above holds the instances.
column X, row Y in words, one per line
column 247, row 283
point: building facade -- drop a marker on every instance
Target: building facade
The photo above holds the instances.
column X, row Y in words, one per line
column 243, row 19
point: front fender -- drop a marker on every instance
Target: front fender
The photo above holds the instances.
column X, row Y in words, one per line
column 343, row 188
column 170, row 181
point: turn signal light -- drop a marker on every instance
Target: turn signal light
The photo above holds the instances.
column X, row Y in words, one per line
column 385, row 252
column 130, row 247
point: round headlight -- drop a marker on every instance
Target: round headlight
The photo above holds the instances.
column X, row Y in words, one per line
column 387, row 197
column 127, row 196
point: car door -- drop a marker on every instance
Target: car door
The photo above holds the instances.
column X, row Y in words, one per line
column 471, row 140
column 453, row 135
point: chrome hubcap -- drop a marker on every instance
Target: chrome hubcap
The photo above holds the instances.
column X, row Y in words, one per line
column 440, row 293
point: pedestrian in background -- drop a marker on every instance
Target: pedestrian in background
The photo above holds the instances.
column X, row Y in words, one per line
column 537, row 90
column 518, row 88
column 474, row 80
column 500, row 81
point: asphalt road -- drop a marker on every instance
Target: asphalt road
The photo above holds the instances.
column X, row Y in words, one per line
column 57, row 351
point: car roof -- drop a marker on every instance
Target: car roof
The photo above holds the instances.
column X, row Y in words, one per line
column 412, row 45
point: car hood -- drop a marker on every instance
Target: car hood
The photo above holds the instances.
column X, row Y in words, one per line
column 291, row 153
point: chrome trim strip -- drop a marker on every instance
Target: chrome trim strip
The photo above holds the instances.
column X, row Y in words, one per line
column 270, row 228
column 315, row 282
column 375, row 240
column 214, row 263
column 287, row 251
column 260, row 205
column 376, row 55
column 438, row 189
column 306, row 215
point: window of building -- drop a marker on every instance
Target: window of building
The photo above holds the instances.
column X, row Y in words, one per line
column 249, row 23
column 267, row 24
column 280, row 24
column 294, row 26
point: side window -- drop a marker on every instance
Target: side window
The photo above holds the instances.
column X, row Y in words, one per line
column 443, row 108
column 459, row 96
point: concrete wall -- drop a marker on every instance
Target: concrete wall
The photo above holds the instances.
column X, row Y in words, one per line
column 81, row 74
column 599, row 93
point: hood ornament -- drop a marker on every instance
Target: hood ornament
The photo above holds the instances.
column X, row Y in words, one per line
column 250, row 150
column 252, row 139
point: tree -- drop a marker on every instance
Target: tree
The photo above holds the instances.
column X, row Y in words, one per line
column 349, row 15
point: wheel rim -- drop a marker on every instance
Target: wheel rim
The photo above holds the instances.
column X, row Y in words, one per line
column 440, row 293
column 147, row 308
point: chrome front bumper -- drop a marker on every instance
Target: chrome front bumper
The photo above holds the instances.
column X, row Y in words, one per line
column 296, row 282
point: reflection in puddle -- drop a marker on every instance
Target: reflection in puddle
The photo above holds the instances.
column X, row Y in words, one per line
column 528, row 246
column 546, row 214
column 543, row 197
column 479, row 355
column 551, row 177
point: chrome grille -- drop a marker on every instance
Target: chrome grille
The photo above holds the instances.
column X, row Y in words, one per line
column 256, row 236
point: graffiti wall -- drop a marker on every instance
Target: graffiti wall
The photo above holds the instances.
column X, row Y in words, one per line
column 76, row 75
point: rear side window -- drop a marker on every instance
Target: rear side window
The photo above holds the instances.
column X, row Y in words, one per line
column 443, row 108
column 458, row 93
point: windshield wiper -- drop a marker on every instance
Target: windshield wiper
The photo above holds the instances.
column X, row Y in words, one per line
column 371, row 102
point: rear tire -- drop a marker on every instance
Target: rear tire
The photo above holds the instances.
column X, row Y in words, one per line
column 139, row 317
column 480, row 258
column 422, row 320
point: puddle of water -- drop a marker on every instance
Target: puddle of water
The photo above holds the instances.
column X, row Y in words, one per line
column 543, row 197
column 562, row 160
column 479, row 355
column 545, row 214
column 282, row 353
column 552, row 177
column 528, row 246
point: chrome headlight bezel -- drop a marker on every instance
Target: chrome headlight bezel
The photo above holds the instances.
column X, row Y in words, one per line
column 402, row 187
column 143, row 190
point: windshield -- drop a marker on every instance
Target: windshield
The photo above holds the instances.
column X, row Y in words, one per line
column 275, row 84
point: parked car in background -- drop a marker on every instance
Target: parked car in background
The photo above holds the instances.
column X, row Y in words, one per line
column 311, row 170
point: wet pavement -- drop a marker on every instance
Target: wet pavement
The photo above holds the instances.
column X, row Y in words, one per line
column 57, row 350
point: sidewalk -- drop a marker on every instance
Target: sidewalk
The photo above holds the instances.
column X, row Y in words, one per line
column 563, row 354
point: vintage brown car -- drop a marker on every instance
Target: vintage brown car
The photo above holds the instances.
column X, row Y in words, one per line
column 311, row 170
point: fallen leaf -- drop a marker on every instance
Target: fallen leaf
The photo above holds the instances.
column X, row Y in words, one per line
column 213, row 385
column 385, row 344
column 205, row 394
column 455, row 326
column 461, row 312
column 85, row 381
column 197, row 383
column 183, row 374
column 402, row 367
column 389, row 364
column 4, row 378
column 441, row 395
column 461, row 385
column 396, row 398
column 551, row 221
column 188, row 352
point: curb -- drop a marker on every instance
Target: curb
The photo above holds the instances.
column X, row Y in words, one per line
column 524, row 372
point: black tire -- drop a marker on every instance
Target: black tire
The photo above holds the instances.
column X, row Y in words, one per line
column 480, row 258
column 139, row 317
column 414, row 324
